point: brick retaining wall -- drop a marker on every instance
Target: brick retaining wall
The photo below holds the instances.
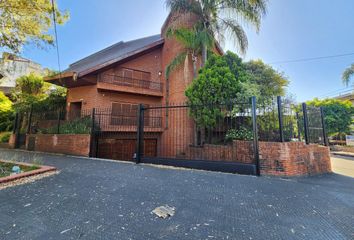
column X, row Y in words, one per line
column 293, row 159
column 71, row 144
column 276, row 159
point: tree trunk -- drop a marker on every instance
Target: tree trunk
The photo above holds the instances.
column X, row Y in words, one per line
column 204, row 54
column 194, row 68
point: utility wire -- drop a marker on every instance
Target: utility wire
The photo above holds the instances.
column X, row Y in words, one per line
column 56, row 39
column 313, row 58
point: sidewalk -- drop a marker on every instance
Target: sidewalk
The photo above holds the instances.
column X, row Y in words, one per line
column 344, row 154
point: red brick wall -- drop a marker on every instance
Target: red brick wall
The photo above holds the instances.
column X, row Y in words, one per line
column 276, row 159
column 240, row 150
column 12, row 141
column 78, row 144
column 293, row 159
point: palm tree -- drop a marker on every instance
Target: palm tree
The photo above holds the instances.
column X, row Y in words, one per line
column 192, row 42
column 220, row 17
column 347, row 74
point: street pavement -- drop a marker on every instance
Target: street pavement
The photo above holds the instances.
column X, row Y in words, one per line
column 94, row 199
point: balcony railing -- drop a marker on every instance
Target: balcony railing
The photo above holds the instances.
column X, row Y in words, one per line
column 130, row 82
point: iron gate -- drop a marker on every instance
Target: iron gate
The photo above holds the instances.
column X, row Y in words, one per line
column 220, row 137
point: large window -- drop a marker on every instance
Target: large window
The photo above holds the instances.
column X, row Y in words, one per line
column 124, row 114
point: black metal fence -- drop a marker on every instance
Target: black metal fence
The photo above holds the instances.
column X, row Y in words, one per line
column 227, row 132
column 223, row 133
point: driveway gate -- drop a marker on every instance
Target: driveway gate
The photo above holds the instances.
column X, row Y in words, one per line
column 219, row 137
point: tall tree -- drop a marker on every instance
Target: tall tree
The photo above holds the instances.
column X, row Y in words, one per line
column 347, row 74
column 220, row 17
column 24, row 21
column 192, row 42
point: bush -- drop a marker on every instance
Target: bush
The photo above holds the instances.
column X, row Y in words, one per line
column 6, row 113
column 239, row 134
column 5, row 137
column 77, row 126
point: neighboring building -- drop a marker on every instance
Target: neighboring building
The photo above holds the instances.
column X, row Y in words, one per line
column 124, row 75
column 13, row 67
column 344, row 97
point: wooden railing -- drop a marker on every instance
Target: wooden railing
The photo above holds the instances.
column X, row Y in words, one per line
column 130, row 82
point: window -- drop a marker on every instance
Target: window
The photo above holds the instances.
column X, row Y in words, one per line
column 124, row 114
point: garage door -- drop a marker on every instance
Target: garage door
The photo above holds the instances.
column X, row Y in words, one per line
column 124, row 149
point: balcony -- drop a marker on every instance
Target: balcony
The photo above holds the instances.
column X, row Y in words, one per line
column 131, row 85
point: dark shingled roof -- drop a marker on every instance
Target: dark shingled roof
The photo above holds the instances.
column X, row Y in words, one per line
column 118, row 51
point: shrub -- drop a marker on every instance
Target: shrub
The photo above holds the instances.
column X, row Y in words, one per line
column 6, row 113
column 239, row 134
column 77, row 126
column 5, row 137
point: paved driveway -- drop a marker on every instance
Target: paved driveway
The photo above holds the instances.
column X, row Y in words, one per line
column 105, row 200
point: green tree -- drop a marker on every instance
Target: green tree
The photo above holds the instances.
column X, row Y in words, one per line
column 215, row 85
column 270, row 83
column 347, row 74
column 220, row 17
column 192, row 41
column 338, row 115
column 31, row 90
column 6, row 113
column 256, row 78
column 24, row 21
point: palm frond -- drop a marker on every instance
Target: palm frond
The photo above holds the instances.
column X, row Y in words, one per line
column 347, row 74
column 249, row 11
column 178, row 60
column 236, row 30
column 184, row 6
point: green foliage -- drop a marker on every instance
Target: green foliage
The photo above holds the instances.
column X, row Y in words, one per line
column 31, row 90
column 77, row 126
column 5, row 137
column 24, row 21
column 192, row 41
column 6, row 113
column 220, row 18
column 338, row 115
column 226, row 79
column 239, row 134
column 269, row 82
column 215, row 85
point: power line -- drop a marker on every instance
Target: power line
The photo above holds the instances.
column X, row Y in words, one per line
column 312, row 58
column 56, row 39
column 349, row 91
column 336, row 91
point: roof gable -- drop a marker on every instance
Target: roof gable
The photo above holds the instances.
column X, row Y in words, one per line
column 112, row 54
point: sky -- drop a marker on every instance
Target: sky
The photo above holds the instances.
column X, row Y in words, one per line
column 292, row 29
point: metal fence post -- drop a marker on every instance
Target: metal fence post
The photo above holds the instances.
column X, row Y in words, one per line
column 306, row 123
column 140, row 134
column 255, row 135
column 17, row 130
column 58, row 122
column 15, row 123
column 30, row 120
column 324, row 130
column 92, row 137
column 280, row 119
column 298, row 126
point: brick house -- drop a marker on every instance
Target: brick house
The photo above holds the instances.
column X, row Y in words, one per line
column 124, row 75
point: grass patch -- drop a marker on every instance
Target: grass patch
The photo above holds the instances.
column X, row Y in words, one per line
column 6, row 168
